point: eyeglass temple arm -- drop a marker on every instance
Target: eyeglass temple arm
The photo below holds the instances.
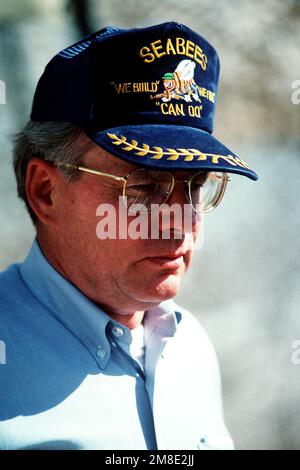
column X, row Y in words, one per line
column 95, row 172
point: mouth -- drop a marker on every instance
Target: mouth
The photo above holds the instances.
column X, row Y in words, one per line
column 167, row 261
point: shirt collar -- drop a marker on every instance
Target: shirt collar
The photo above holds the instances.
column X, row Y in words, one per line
column 79, row 314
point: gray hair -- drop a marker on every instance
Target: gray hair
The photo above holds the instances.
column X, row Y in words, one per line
column 57, row 142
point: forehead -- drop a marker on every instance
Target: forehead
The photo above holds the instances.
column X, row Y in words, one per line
column 99, row 159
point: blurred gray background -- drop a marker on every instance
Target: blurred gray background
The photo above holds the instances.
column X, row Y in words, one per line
column 244, row 282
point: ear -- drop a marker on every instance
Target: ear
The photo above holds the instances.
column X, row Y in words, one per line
column 42, row 189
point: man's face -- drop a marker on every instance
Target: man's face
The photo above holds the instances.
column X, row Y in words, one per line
column 120, row 274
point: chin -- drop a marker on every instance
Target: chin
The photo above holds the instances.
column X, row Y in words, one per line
column 166, row 289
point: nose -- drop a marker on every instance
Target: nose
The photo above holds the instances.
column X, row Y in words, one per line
column 179, row 193
column 178, row 213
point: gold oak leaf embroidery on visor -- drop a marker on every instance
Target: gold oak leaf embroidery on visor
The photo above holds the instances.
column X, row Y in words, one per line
column 172, row 154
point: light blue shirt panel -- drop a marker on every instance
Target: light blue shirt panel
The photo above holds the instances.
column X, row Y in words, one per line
column 65, row 384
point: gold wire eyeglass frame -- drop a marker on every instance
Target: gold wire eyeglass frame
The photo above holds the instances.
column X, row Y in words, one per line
column 225, row 179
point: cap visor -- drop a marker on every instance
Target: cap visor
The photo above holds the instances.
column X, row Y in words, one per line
column 170, row 147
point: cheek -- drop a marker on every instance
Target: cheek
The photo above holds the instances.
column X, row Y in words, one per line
column 76, row 213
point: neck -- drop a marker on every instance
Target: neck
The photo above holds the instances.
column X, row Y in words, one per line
column 131, row 321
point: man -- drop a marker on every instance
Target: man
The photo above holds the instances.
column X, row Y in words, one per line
column 99, row 356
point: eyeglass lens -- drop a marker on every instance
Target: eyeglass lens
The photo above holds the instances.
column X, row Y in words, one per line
column 149, row 187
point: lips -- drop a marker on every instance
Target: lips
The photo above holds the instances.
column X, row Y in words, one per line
column 167, row 261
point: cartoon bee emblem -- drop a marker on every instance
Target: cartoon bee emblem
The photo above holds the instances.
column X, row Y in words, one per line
column 180, row 85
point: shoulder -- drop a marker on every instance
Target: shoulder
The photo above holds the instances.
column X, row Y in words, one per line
column 195, row 338
column 15, row 302
column 189, row 324
column 13, row 290
column 12, row 287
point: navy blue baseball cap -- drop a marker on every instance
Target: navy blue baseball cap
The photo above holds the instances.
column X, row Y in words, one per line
column 146, row 95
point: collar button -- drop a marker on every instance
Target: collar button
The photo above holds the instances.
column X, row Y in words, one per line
column 101, row 353
column 117, row 331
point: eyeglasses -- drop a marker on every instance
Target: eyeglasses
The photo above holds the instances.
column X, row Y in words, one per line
column 204, row 190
